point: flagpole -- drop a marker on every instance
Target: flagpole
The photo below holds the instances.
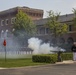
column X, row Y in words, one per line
column 5, row 53
column 4, row 43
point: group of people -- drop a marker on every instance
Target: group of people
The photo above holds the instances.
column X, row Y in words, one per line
column 73, row 49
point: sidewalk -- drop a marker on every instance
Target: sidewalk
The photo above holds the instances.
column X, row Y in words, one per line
column 66, row 62
column 2, row 68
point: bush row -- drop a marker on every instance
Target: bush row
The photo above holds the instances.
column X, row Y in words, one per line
column 51, row 58
column 44, row 58
column 67, row 56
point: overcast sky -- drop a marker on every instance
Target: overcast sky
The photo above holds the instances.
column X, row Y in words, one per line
column 63, row 6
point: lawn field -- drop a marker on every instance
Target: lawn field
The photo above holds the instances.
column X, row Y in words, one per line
column 9, row 63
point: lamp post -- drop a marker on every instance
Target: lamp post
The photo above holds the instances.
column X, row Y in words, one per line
column 4, row 43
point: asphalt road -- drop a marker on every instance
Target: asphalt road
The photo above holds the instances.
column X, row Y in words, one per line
column 55, row 69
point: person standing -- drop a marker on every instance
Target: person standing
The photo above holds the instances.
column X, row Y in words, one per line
column 74, row 51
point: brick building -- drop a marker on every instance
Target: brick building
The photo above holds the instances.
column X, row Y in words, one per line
column 8, row 16
column 68, row 19
column 66, row 39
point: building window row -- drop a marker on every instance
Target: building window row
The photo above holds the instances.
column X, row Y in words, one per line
column 43, row 30
column 6, row 22
column 34, row 14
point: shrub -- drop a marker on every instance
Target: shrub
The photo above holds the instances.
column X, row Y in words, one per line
column 52, row 58
column 67, row 56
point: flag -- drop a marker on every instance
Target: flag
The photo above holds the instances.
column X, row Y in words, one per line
column 4, row 42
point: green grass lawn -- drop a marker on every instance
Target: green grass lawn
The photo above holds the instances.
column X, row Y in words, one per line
column 18, row 63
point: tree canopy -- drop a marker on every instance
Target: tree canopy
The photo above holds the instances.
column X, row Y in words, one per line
column 74, row 19
column 24, row 24
column 54, row 25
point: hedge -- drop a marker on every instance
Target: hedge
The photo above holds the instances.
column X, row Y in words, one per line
column 51, row 58
column 45, row 58
column 67, row 56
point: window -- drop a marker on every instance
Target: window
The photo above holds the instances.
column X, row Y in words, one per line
column 42, row 30
column 70, row 27
column 13, row 29
column 47, row 30
column 2, row 22
column 70, row 40
column 13, row 20
column 62, row 40
column 7, row 30
column 6, row 22
column 2, row 34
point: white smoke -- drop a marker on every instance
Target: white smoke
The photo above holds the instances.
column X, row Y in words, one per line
column 39, row 48
column 34, row 44
column 45, row 48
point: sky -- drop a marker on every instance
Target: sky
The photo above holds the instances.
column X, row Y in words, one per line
column 63, row 6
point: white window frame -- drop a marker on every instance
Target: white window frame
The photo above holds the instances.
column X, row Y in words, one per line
column 6, row 22
column 2, row 22
column 13, row 29
column 13, row 20
column 2, row 34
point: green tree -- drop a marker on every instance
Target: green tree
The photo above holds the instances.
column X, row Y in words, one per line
column 54, row 25
column 24, row 24
column 74, row 19
column 24, row 28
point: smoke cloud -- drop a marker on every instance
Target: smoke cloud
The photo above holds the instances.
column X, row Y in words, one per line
column 34, row 44
column 41, row 48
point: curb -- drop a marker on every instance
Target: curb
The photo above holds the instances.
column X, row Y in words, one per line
column 66, row 62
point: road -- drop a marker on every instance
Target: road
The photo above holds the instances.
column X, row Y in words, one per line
column 55, row 69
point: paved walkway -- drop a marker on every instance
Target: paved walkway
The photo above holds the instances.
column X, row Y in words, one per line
column 66, row 62
column 60, row 68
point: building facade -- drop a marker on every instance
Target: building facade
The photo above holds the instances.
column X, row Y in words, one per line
column 45, row 34
column 7, row 18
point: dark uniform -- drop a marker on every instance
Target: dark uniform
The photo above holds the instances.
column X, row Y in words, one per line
column 74, row 51
column 73, row 48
